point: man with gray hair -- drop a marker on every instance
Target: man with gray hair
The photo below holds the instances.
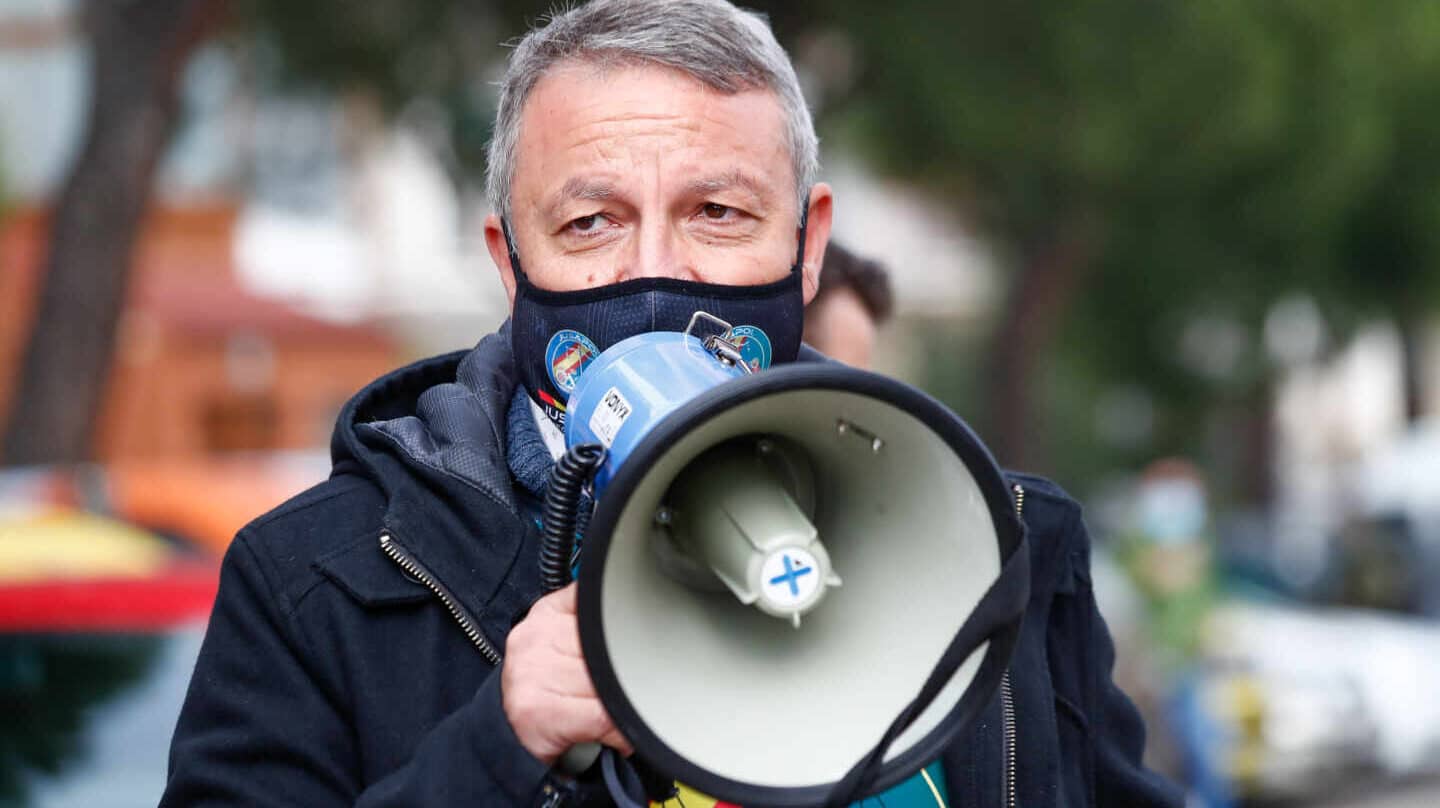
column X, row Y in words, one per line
column 382, row 639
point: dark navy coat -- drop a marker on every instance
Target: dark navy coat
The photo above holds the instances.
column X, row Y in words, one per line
column 330, row 675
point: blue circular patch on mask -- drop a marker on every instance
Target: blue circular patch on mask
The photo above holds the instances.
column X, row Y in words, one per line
column 566, row 357
column 753, row 344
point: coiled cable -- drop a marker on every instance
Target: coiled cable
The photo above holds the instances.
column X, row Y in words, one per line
column 572, row 472
column 568, row 479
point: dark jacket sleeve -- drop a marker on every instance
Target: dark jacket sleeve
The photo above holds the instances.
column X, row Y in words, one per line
column 259, row 728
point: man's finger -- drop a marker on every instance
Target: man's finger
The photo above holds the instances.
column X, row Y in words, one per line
column 597, row 725
column 616, row 741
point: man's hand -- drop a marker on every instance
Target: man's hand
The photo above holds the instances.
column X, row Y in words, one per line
column 545, row 686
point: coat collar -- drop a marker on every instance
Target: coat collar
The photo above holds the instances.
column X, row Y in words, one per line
column 433, row 435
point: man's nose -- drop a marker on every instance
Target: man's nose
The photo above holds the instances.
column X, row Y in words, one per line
column 658, row 251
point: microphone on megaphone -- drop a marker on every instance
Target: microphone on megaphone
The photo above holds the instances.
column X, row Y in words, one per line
column 796, row 586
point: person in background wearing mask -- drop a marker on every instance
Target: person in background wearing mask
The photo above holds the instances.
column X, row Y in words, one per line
column 854, row 300
column 381, row 638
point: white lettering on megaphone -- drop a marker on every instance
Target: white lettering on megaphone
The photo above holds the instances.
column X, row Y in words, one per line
column 609, row 416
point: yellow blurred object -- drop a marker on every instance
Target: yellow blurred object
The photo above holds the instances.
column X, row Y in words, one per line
column 1240, row 701
column 688, row 797
column 68, row 544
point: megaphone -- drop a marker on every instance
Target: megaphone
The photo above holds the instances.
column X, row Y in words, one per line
column 797, row 585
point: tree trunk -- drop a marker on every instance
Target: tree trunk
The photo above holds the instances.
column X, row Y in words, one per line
column 1412, row 364
column 138, row 49
column 1038, row 301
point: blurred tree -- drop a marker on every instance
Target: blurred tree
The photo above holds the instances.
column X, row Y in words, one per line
column 1157, row 175
column 1333, row 199
column 398, row 53
column 137, row 51
column 1389, row 245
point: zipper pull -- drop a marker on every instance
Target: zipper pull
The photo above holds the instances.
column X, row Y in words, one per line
column 552, row 797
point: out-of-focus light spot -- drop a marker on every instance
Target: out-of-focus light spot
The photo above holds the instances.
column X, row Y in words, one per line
column 1294, row 331
column 1125, row 416
column 249, row 363
column 1211, row 346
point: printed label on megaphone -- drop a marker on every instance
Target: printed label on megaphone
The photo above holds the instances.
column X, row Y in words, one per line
column 607, row 419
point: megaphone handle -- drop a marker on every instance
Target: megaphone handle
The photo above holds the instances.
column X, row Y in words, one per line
column 1002, row 603
column 578, row 758
column 621, row 780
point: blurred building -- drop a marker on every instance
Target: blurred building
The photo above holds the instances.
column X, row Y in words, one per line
column 204, row 361
column 201, row 364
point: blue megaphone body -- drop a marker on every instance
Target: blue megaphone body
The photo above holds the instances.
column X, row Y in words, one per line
column 633, row 385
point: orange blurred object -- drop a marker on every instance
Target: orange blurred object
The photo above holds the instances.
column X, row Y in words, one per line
column 207, row 500
column 202, row 365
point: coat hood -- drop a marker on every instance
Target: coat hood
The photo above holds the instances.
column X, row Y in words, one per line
column 432, row 437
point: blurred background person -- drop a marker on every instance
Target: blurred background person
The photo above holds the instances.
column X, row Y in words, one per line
column 854, row 300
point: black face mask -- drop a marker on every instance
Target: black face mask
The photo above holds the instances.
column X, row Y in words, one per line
column 555, row 335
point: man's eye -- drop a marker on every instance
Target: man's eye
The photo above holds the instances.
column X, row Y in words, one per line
column 714, row 211
column 586, row 224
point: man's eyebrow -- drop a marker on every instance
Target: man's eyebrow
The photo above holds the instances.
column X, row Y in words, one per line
column 579, row 188
column 726, row 181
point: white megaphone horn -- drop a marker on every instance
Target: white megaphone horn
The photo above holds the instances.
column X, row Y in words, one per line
column 797, row 585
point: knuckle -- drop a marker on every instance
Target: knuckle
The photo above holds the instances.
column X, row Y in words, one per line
column 599, row 720
column 525, row 708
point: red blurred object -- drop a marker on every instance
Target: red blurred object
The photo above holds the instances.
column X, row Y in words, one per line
column 180, row 593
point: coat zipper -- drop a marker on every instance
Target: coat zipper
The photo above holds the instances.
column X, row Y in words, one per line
column 551, row 797
column 467, row 621
column 1007, row 695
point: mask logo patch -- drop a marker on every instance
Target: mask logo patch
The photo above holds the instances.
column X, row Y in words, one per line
column 567, row 356
column 753, row 344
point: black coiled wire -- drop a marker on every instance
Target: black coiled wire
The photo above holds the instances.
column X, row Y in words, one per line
column 562, row 501
column 568, row 479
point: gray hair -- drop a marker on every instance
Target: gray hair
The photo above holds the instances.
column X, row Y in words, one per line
column 723, row 47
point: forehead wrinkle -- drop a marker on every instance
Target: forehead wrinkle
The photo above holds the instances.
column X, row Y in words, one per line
column 621, row 126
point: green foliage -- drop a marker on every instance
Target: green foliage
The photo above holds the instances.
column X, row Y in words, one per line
column 1228, row 153
column 1225, row 153
column 398, row 51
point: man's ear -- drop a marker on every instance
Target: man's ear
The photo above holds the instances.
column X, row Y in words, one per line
column 500, row 254
column 817, row 235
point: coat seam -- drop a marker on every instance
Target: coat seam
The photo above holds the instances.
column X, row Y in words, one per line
column 289, row 509
column 484, row 491
column 289, row 629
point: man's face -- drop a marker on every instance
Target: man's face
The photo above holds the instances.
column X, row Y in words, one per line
column 637, row 172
